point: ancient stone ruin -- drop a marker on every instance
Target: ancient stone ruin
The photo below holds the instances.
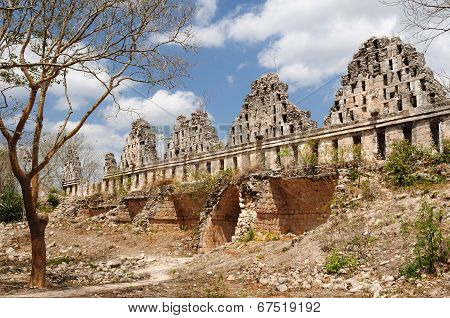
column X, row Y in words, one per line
column 140, row 148
column 194, row 135
column 388, row 94
column 386, row 76
column 110, row 163
column 72, row 167
column 267, row 112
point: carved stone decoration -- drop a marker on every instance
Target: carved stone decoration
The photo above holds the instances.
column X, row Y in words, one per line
column 191, row 136
column 110, row 163
column 72, row 166
column 385, row 76
column 140, row 147
column 267, row 113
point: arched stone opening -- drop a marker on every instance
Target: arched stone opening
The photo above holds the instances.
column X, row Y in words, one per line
column 221, row 226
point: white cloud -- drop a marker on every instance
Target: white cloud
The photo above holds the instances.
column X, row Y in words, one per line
column 160, row 110
column 241, row 66
column 311, row 40
column 206, row 10
column 104, row 138
column 230, row 80
column 109, row 134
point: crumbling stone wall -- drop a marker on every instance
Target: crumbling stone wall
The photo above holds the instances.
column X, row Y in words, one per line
column 165, row 206
column 267, row 113
column 385, row 76
column 192, row 135
column 271, row 202
column 72, row 166
column 140, row 148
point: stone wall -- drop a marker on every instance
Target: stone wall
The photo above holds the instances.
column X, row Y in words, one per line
column 274, row 203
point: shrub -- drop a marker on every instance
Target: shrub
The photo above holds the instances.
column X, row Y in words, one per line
column 354, row 174
column 308, row 155
column 249, row 236
column 444, row 156
column 202, row 184
column 53, row 199
column 335, row 262
column 403, row 162
column 431, row 247
column 11, row 205
column 368, row 192
column 60, row 260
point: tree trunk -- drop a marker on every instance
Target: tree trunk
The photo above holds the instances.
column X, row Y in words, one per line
column 38, row 263
column 37, row 224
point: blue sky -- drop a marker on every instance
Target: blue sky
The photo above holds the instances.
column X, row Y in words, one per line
column 308, row 42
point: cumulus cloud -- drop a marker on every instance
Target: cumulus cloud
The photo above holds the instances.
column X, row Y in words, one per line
column 160, row 110
column 102, row 137
column 206, row 10
column 309, row 41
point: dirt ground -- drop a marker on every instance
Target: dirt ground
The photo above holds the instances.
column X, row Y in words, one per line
column 98, row 259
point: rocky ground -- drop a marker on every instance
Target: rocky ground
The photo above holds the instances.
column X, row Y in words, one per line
column 370, row 225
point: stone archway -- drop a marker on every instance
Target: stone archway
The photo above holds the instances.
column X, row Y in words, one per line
column 221, row 226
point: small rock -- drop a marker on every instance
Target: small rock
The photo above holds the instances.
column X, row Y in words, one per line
column 375, row 289
column 263, row 281
column 281, row 288
column 387, row 278
column 231, row 278
column 282, row 280
column 114, row 263
column 306, row 285
column 209, row 273
column 10, row 251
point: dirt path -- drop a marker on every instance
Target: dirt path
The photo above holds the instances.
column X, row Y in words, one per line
column 159, row 271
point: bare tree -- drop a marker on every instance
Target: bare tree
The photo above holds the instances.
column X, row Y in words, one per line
column 52, row 174
column 425, row 19
column 112, row 41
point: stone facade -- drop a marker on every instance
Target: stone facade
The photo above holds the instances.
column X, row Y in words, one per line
column 72, row 167
column 191, row 136
column 385, row 76
column 140, row 148
column 267, row 113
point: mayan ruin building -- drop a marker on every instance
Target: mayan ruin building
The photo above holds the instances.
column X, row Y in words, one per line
column 388, row 94
column 386, row 76
column 194, row 135
column 267, row 112
column 72, row 166
column 140, row 148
